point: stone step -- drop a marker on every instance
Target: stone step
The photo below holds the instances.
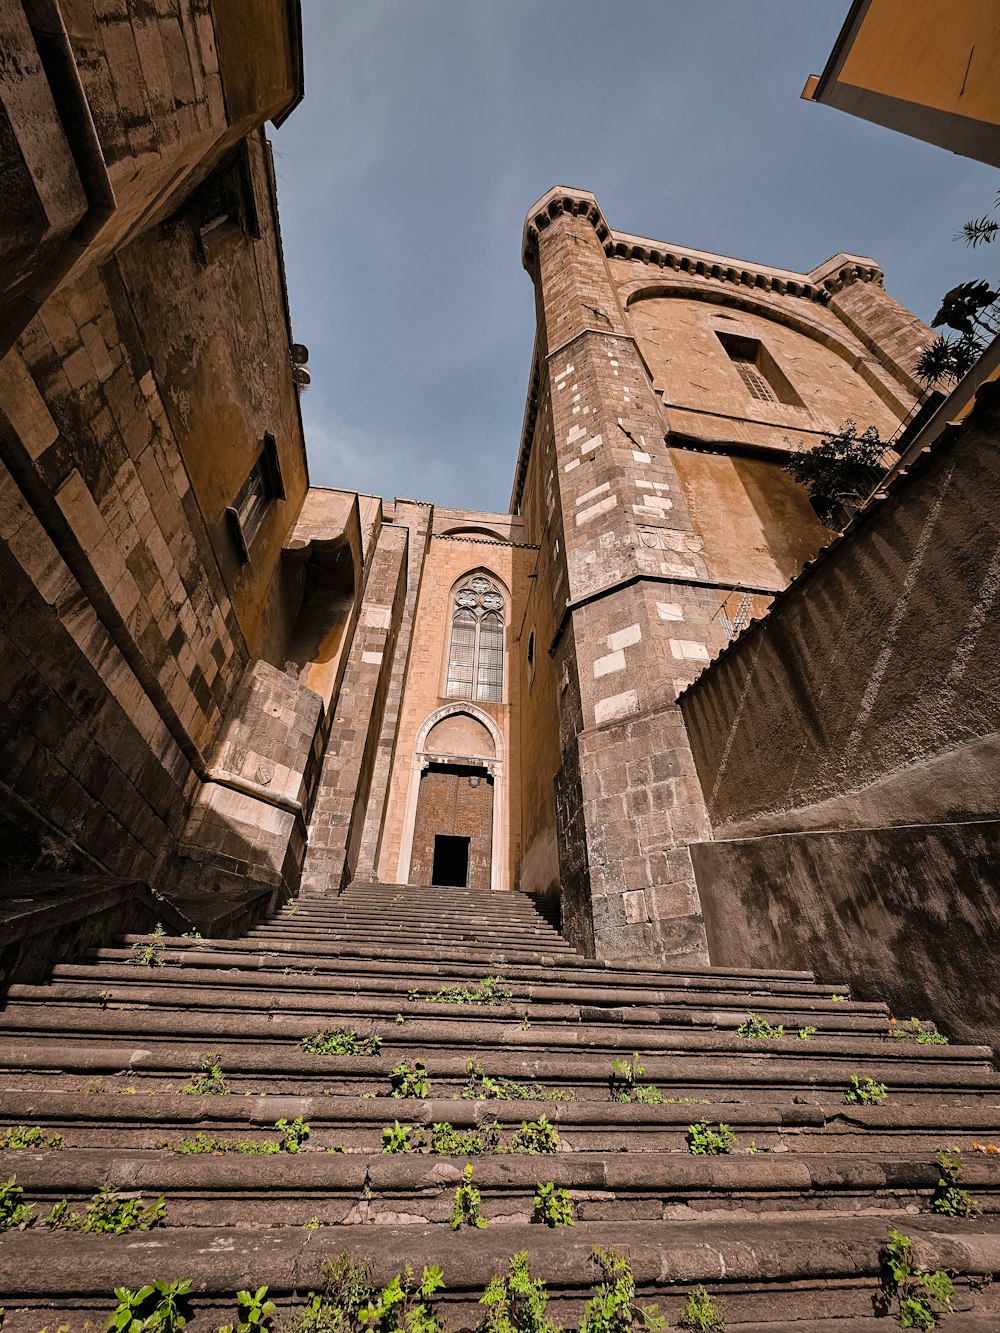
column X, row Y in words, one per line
column 780, row 1268
column 293, row 1011
column 569, row 967
column 145, row 1118
column 168, row 985
column 344, row 1189
column 100, row 1064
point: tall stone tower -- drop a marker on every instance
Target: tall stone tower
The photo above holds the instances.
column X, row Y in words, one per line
column 668, row 388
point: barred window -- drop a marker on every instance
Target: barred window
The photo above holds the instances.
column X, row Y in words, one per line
column 476, row 648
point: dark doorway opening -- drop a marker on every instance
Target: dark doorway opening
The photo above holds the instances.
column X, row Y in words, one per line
column 451, row 861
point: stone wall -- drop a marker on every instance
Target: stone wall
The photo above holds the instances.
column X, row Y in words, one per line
column 848, row 746
column 869, row 695
column 146, row 360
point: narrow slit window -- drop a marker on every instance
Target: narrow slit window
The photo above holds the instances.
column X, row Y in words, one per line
column 262, row 486
column 476, row 643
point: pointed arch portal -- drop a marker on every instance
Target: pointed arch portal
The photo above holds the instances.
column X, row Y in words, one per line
column 453, row 821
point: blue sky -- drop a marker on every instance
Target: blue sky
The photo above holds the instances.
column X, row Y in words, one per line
column 430, row 127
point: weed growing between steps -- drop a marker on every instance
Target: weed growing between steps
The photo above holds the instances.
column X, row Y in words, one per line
column 107, row 1213
column 705, row 1140
column 256, row 1312
column 759, row 1029
column 209, row 1081
column 553, row 1206
column 488, row 991
column 702, row 1313
column 533, row 1137
column 481, row 1086
column 624, row 1084
column 918, row 1030
column 148, row 954
column 15, row 1214
column 29, row 1136
column 923, row 1295
column 293, row 1135
column 864, row 1091
column 517, row 1303
column 407, row 1082
column 612, row 1309
column 161, row 1306
column 950, row 1200
column 341, row 1041
column 468, row 1202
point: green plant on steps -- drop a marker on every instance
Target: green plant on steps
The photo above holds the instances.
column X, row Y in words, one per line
column 397, row 1138
column 108, row 1214
column 209, row 1081
column 702, row 1313
column 624, row 1084
column 256, row 1313
column 15, row 1214
column 704, row 1140
column 481, row 1086
column 553, row 1206
column 950, row 1200
column 918, row 1030
column 612, row 1309
column 759, row 1029
column 466, row 1208
column 864, row 1091
column 407, row 1082
column 535, row 1136
column 148, row 954
column 516, row 1303
column 447, row 1141
column 159, row 1307
column 806, row 1033
column 923, row 1295
column 489, row 991
column 341, row 1041
column 294, row 1133
column 29, row 1136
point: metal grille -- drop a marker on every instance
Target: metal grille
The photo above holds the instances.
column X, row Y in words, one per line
column 489, row 676
column 754, row 380
column 462, row 655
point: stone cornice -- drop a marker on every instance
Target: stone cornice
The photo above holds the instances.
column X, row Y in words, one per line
column 817, row 285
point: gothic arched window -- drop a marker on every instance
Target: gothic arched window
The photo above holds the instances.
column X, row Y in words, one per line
column 475, row 651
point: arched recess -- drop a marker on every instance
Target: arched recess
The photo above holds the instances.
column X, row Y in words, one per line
column 855, row 355
column 483, row 534
column 424, row 755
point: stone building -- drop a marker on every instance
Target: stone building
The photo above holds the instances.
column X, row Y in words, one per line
column 227, row 683
column 657, row 701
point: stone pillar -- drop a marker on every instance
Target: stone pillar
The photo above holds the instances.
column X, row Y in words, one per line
column 337, row 820
column 628, row 799
column 416, row 517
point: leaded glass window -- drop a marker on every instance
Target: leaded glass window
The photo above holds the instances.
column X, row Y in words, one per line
column 475, row 652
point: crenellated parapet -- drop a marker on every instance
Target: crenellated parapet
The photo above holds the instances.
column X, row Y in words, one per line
column 818, row 285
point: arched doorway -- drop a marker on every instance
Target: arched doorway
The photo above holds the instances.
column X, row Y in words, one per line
column 451, row 835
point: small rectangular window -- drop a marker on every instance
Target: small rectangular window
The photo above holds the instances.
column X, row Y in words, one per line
column 262, row 486
column 761, row 375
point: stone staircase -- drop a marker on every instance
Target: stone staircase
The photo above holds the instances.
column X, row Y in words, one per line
column 785, row 1230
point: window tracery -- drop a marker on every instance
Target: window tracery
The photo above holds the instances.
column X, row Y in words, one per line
column 476, row 644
